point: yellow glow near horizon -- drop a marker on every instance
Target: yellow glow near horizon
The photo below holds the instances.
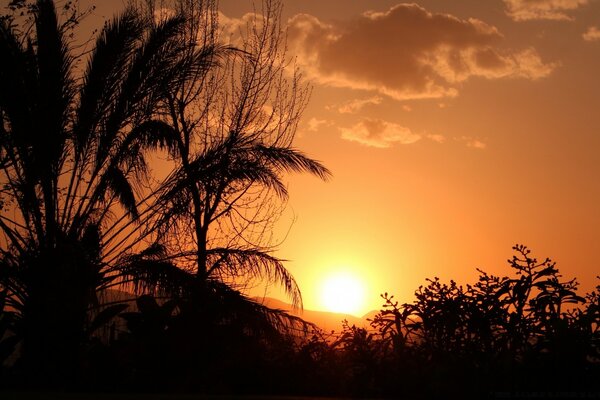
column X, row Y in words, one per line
column 343, row 292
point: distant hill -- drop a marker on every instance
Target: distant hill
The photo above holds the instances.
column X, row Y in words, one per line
column 328, row 321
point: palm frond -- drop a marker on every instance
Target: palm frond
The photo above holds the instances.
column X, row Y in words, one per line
column 291, row 160
column 253, row 316
column 56, row 88
column 155, row 62
column 18, row 83
column 254, row 263
column 153, row 134
column 105, row 71
column 19, row 105
column 255, row 172
column 150, row 273
column 208, row 56
column 118, row 184
column 15, row 77
column 151, row 69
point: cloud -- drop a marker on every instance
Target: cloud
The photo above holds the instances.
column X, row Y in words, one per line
column 356, row 105
column 524, row 10
column 407, row 52
column 476, row 144
column 436, row 137
column 472, row 142
column 379, row 133
column 315, row 124
column 592, row 34
column 234, row 31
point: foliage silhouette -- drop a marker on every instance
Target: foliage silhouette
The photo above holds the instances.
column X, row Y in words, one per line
column 526, row 332
column 228, row 157
column 79, row 200
column 82, row 214
column 73, row 160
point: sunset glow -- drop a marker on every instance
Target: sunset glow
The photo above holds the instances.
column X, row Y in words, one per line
column 342, row 293
column 453, row 131
column 300, row 199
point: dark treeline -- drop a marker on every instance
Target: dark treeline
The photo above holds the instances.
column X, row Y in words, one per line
column 529, row 332
column 117, row 277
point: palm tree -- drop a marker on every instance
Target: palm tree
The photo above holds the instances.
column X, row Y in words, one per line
column 233, row 129
column 74, row 172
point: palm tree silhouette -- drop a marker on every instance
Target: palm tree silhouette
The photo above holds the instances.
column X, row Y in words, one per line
column 73, row 164
column 228, row 156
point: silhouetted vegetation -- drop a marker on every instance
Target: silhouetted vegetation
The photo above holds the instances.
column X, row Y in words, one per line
column 83, row 212
column 114, row 277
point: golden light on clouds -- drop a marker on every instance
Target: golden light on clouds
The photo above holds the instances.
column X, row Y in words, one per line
column 592, row 34
column 379, row 133
column 408, row 52
column 524, row 10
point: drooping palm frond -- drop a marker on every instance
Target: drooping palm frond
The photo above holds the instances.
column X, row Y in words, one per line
column 254, row 263
column 224, row 164
column 152, row 134
column 150, row 271
column 119, row 185
column 290, row 160
column 251, row 315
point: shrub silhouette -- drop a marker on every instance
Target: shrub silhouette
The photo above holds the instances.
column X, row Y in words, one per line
column 524, row 332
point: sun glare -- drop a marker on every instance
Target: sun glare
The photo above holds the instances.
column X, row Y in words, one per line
column 343, row 293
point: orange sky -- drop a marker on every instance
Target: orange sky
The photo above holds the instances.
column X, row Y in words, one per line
column 454, row 129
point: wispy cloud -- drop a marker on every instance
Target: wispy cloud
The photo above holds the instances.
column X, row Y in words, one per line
column 407, row 52
column 471, row 142
column 436, row 137
column 476, row 144
column 592, row 34
column 524, row 10
column 379, row 133
column 353, row 106
column 314, row 124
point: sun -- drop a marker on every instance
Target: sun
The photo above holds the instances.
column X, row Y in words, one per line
column 343, row 293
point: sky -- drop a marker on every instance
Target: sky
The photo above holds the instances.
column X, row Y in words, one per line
column 453, row 129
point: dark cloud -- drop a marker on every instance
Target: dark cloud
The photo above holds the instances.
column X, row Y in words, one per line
column 407, row 52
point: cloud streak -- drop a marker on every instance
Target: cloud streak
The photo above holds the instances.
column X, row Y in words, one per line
column 407, row 52
column 353, row 106
column 379, row 133
column 592, row 34
column 525, row 10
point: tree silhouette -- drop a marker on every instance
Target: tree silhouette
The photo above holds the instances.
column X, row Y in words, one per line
column 73, row 164
column 232, row 131
column 525, row 332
